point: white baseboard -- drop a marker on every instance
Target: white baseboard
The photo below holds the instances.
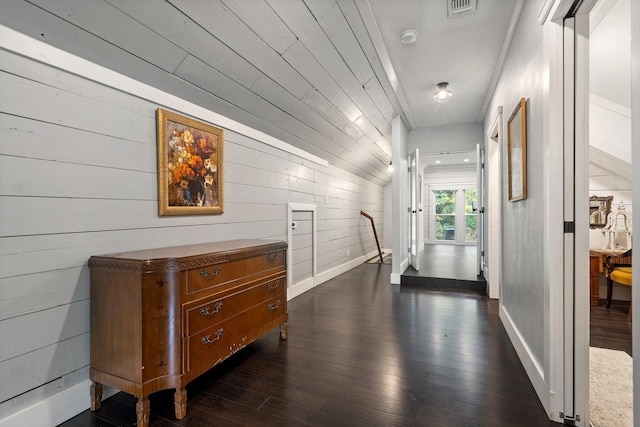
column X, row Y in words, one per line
column 404, row 265
column 531, row 366
column 343, row 268
column 308, row 284
column 300, row 288
column 55, row 409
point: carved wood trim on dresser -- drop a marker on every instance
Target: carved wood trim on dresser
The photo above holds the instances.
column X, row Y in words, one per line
column 162, row 317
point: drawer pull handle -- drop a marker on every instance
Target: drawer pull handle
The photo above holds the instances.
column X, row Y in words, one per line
column 275, row 306
column 273, row 285
column 205, row 311
column 272, row 258
column 214, row 272
column 207, row 339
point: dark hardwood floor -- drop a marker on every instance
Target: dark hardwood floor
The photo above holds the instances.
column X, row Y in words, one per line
column 609, row 326
column 361, row 352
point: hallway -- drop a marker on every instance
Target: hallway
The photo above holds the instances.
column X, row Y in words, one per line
column 447, row 267
column 360, row 352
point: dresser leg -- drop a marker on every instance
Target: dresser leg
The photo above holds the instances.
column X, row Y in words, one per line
column 143, row 408
column 96, row 396
column 180, row 401
column 284, row 330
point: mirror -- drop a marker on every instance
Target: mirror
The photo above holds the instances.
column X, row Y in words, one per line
column 599, row 208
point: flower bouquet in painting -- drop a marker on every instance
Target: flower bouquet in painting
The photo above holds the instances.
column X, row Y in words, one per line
column 189, row 166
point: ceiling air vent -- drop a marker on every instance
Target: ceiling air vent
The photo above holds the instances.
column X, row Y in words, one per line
column 460, row 7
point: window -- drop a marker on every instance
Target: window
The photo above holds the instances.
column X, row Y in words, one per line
column 454, row 214
column 445, row 214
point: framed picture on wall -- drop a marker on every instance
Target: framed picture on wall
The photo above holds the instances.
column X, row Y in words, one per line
column 190, row 166
column 517, row 152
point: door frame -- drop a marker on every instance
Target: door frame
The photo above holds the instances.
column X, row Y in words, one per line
column 460, row 213
column 295, row 289
column 566, row 264
column 416, row 239
column 493, row 169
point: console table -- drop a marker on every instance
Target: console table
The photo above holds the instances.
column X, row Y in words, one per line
column 597, row 258
column 162, row 317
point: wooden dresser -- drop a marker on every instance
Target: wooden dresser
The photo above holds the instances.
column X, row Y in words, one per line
column 162, row 317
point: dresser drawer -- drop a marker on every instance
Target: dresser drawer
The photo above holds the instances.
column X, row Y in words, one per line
column 230, row 335
column 219, row 274
column 209, row 311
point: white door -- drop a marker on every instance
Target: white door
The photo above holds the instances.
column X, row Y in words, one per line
column 480, row 210
column 415, row 210
column 575, row 214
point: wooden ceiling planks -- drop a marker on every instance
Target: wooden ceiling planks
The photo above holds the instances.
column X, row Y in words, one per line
column 298, row 70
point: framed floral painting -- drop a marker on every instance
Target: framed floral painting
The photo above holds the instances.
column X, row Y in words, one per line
column 190, row 166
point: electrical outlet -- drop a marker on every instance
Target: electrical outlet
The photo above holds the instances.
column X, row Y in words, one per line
column 348, row 252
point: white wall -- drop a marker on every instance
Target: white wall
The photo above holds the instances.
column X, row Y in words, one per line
column 400, row 200
column 78, row 177
column 610, row 114
column 523, row 298
column 387, row 241
column 446, row 139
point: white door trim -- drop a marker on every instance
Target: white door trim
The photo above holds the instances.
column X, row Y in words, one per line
column 295, row 289
column 494, row 213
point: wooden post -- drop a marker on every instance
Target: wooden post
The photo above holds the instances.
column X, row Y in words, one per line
column 373, row 225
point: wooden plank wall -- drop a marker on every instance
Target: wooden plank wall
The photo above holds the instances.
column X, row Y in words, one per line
column 78, row 178
column 301, row 71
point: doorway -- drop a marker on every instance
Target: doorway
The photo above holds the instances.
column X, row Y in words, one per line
column 610, row 175
column 577, row 355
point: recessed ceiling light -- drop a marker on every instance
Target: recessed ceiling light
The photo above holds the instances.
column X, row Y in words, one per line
column 466, row 160
column 409, row 36
column 437, row 161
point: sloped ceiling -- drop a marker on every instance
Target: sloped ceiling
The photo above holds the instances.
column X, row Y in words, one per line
column 610, row 86
column 325, row 76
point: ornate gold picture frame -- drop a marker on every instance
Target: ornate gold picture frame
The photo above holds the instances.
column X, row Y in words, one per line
column 190, row 166
column 517, row 152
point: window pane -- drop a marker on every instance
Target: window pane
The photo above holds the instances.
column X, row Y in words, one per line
column 471, row 232
column 445, row 227
column 471, row 217
column 445, row 210
column 471, row 201
column 445, row 201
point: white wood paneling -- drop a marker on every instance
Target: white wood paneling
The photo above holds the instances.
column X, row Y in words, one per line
column 305, row 73
column 211, row 80
column 39, row 291
column 223, row 24
column 259, row 16
column 185, row 33
column 111, row 25
column 43, row 365
column 91, row 189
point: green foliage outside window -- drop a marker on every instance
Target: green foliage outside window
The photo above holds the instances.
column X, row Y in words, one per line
column 445, row 214
column 471, row 210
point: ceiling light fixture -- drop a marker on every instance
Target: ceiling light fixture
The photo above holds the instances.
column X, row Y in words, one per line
column 390, row 167
column 409, row 36
column 442, row 94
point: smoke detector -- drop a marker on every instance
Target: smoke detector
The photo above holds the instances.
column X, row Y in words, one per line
column 409, row 36
column 460, row 7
